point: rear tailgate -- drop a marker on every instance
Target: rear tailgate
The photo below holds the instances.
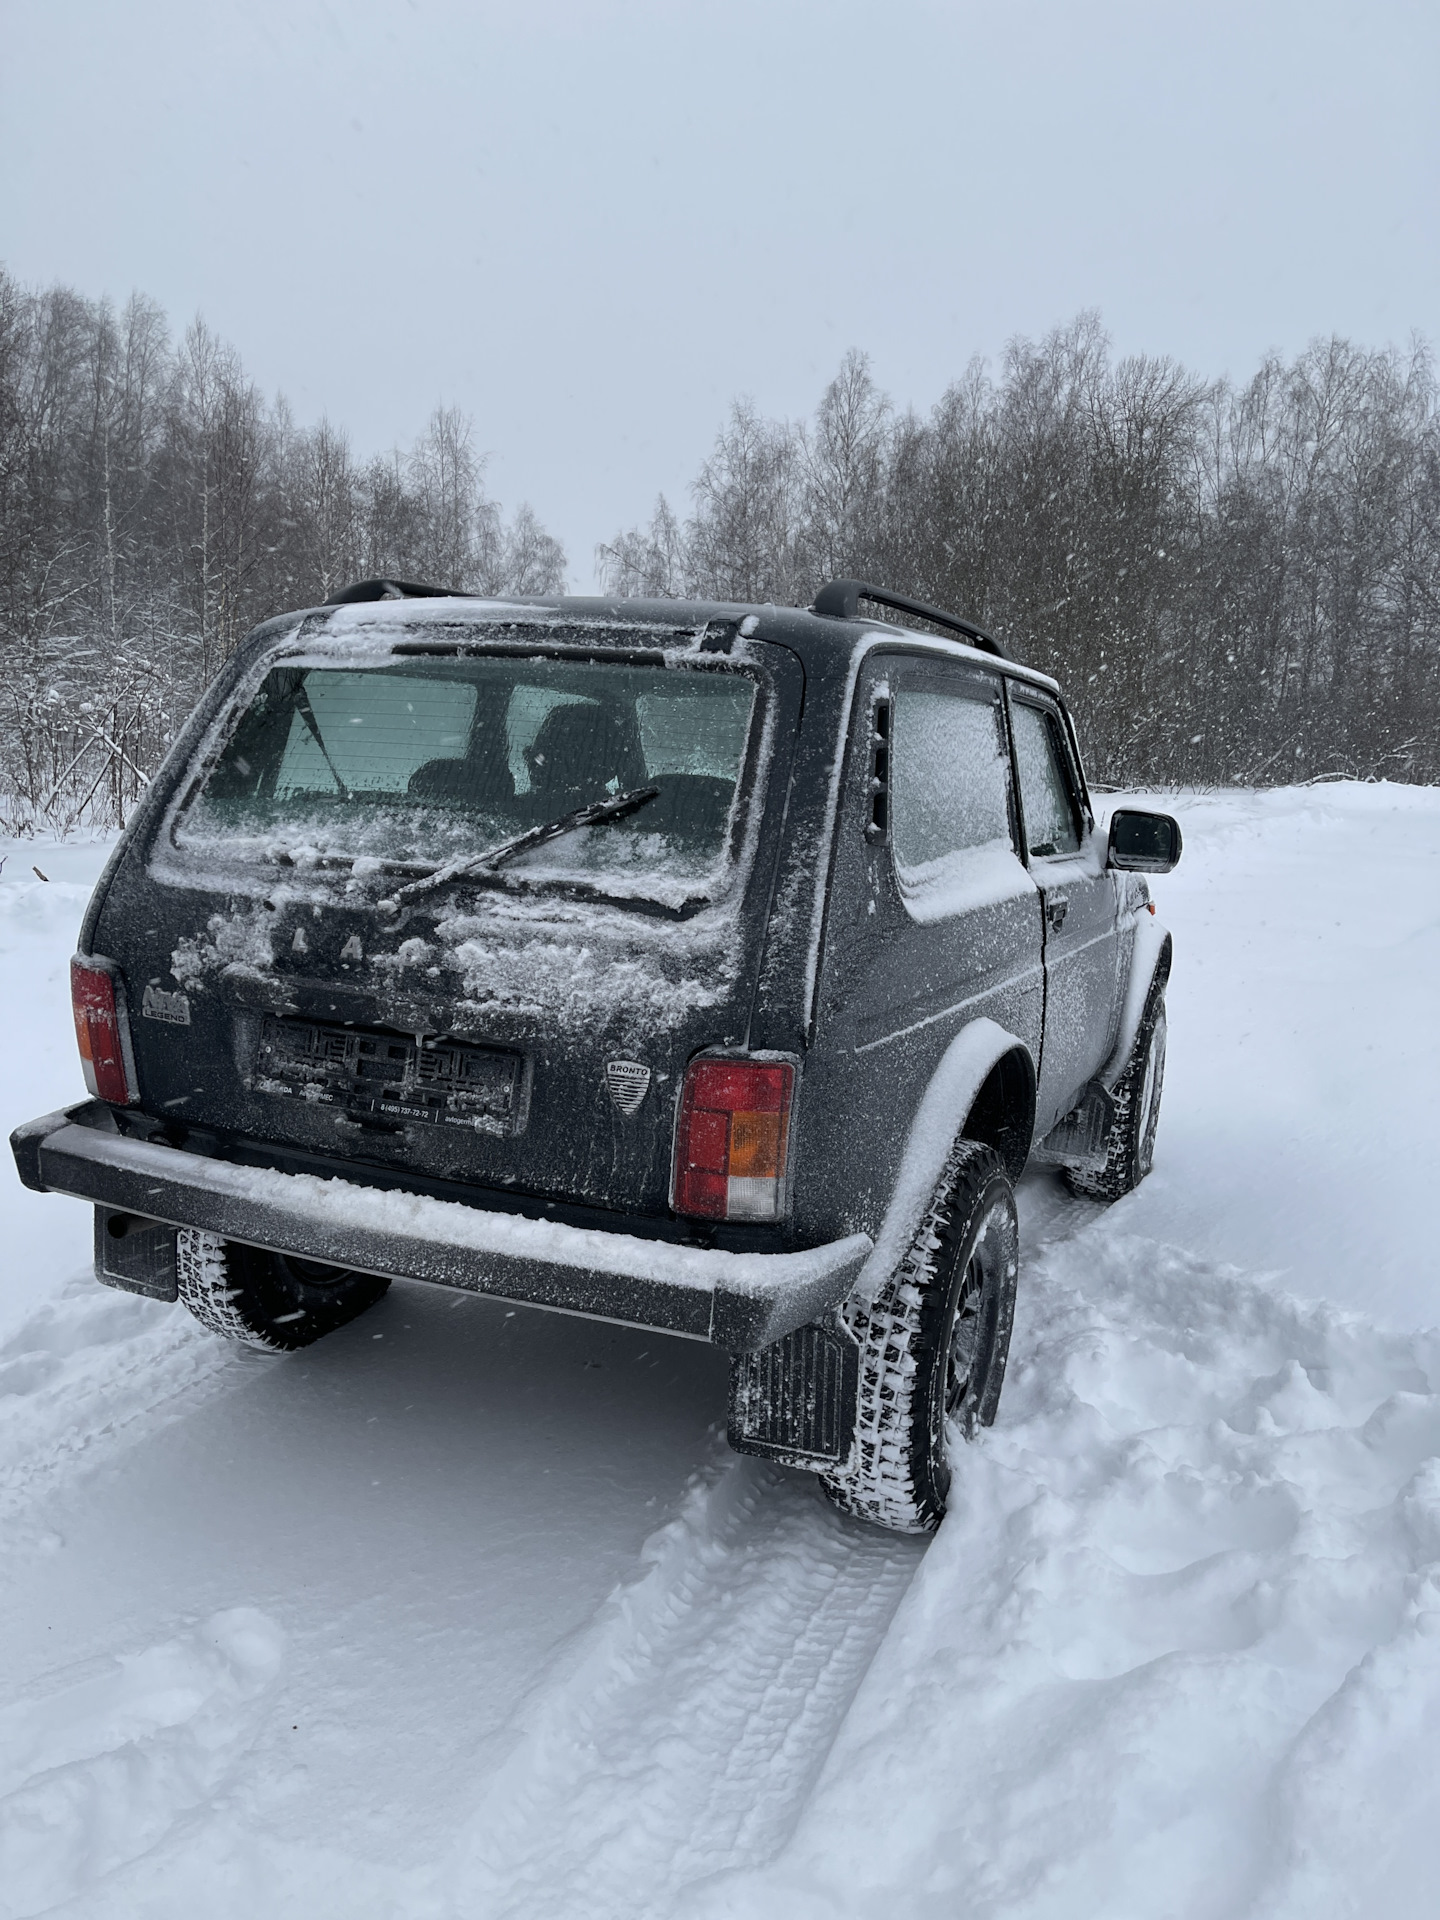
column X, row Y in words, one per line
column 527, row 1033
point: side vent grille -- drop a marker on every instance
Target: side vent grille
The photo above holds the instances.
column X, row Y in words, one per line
column 795, row 1401
column 878, row 824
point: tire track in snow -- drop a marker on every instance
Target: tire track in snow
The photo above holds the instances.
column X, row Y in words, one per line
column 85, row 1373
column 101, row 1766
column 686, row 1728
column 1176, row 1649
column 682, row 1735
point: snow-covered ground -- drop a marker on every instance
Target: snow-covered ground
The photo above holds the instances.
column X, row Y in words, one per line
column 467, row 1612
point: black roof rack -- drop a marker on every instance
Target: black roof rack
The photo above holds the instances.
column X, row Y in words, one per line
column 841, row 600
column 391, row 590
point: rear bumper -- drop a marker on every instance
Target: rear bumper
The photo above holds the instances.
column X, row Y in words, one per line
column 739, row 1301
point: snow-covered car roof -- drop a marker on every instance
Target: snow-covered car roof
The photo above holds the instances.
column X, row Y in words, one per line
column 825, row 643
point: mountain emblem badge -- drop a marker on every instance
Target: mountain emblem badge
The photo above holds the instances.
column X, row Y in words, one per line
column 628, row 1082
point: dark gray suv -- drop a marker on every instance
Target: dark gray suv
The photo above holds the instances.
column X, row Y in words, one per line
column 709, row 968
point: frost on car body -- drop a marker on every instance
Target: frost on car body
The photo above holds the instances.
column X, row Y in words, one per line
column 704, row 967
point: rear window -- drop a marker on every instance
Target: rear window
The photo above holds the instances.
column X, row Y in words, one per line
column 416, row 761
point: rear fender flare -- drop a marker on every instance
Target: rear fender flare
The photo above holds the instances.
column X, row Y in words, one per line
column 967, row 1063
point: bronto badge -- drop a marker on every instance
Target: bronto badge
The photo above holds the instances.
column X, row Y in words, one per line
column 628, row 1082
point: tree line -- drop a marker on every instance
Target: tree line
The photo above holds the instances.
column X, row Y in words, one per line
column 1236, row 583
column 154, row 506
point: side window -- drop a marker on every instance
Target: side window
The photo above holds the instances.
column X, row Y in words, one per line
column 1050, row 821
column 950, row 801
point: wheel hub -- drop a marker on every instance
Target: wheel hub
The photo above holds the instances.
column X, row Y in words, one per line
column 964, row 1336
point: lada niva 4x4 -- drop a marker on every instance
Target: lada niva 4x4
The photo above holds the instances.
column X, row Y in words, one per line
column 709, row 968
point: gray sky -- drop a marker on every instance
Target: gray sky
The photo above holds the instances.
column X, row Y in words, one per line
column 591, row 223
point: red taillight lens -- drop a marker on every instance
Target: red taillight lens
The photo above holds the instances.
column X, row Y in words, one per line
column 731, row 1143
column 98, row 1030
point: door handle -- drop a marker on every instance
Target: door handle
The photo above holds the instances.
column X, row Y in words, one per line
column 1056, row 908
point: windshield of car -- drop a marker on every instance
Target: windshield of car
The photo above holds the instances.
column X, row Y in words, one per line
column 415, row 762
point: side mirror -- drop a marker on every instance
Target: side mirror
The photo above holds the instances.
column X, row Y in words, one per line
column 1143, row 842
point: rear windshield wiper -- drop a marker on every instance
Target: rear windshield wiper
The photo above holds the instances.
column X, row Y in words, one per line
column 307, row 714
column 597, row 813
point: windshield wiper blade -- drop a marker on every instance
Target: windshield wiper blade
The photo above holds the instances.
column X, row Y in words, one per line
column 595, row 814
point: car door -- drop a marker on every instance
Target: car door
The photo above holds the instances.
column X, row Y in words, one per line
column 1066, row 857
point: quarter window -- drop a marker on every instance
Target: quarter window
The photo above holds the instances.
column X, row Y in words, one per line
column 1050, row 822
column 951, row 803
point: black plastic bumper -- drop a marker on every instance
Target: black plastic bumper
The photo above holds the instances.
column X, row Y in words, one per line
column 739, row 1301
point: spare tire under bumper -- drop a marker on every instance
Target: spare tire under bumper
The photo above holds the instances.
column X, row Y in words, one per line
column 739, row 1301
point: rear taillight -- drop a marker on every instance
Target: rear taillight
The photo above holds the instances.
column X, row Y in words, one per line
column 99, row 1007
column 731, row 1142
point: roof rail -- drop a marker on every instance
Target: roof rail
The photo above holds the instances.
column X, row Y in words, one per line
column 391, row 590
column 841, row 600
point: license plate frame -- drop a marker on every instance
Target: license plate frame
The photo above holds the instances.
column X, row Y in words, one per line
column 372, row 1073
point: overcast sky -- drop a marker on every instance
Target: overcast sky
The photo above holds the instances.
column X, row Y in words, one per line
column 592, row 223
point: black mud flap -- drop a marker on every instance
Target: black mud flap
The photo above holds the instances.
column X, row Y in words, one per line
column 1079, row 1139
column 135, row 1255
column 795, row 1401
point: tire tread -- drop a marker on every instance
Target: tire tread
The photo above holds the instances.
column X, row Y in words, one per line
column 892, row 1478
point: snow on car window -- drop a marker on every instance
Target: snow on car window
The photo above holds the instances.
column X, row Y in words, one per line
column 951, row 803
column 1050, row 825
column 416, row 760
column 694, row 729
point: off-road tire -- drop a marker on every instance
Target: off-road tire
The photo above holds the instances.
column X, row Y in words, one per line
column 268, row 1300
column 1130, row 1143
column 933, row 1346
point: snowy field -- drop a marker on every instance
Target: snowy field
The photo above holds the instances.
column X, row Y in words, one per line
column 468, row 1612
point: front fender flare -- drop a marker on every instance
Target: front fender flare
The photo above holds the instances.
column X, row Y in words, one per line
column 964, row 1068
column 1149, row 962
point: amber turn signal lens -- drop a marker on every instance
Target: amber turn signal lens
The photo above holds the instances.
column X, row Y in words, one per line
column 757, row 1148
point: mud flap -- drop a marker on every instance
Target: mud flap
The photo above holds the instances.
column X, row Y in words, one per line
column 1079, row 1140
column 795, row 1401
column 136, row 1255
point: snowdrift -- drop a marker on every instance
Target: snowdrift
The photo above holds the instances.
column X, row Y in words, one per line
column 468, row 1613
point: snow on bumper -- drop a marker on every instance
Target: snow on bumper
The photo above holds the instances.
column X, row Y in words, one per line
column 739, row 1301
